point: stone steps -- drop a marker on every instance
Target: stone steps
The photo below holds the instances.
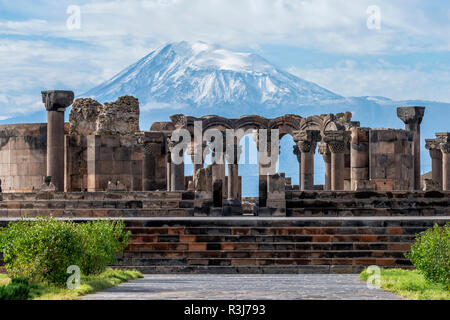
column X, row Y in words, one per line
column 270, row 245
column 152, row 254
column 272, row 231
column 160, row 238
column 286, row 269
column 263, row 261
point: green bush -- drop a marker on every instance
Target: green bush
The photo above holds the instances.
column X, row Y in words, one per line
column 102, row 240
column 43, row 249
column 18, row 289
column 430, row 254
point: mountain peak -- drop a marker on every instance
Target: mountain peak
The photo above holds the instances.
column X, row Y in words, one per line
column 201, row 75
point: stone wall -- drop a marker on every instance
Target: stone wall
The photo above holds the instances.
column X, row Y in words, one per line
column 391, row 161
column 113, row 158
column 23, row 156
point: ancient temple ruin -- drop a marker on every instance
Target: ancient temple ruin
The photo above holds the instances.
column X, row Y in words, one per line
column 102, row 164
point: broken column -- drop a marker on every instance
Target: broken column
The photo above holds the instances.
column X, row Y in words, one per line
column 359, row 157
column 412, row 117
column 307, row 142
column 324, row 150
column 276, row 195
column 336, row 141
column 233, row 154
column 56, row 102
column 444, row 139
column 176, row 170
column 434, row 147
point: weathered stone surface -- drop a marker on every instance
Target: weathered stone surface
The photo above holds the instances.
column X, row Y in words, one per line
column 83, row 117
column 119, row 118
column 57, row 100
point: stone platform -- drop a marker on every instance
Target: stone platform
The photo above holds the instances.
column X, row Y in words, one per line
column 323, row 232
column 183, row 204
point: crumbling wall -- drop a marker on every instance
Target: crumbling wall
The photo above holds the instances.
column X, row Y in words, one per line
column 88, row 117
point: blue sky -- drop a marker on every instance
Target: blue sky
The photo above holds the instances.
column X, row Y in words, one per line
column 327, row 42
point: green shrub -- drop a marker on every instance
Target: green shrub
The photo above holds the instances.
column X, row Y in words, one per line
column 41, row 249
column 101, row 240
column 430, row 254
column 18, row 289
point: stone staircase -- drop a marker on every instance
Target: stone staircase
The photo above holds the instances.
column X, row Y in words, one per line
column 270, row 245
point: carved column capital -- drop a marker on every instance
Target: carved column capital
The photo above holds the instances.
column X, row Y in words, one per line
column 434, row 147
column 411, row 115
column 444, row 141
column 336, row 140
column 307, row 140
column 57, row 100
column 445, row 148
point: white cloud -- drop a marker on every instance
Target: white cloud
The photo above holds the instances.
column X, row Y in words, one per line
column 41, row 52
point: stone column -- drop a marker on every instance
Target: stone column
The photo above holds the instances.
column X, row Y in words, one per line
column 298, row 153
column 307, row 142
column 444, row 139
column 412, row 117
column 56, row 102
column 176, row 170
column 336, row 141
column 324, row 150
column 168, row 170
column 233, row 172
column 436, row 160
column 359, row 157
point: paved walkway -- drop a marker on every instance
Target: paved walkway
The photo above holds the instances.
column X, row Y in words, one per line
column 244, row 287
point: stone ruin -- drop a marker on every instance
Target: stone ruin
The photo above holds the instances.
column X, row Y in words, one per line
column 101, row 165
column 102, row 144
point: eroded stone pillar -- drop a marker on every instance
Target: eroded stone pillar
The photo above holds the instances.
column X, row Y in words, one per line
column 307, row 142
column 176, row 171
column 436, row 160
column 444, row 139
column 324, row 150
column 233, row 172
column 336, row 141
column 359, row 157
column 298, row 153
column 56, row 102
column 412, row 117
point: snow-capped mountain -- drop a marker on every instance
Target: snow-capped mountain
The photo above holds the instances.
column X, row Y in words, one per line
column 199, row 75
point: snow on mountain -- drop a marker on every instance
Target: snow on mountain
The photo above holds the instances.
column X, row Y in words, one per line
column 199, row 75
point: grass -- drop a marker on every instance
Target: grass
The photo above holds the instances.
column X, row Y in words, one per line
column 410, row 284
column 89, row 284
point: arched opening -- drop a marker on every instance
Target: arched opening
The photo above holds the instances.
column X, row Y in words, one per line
column 248, row 167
